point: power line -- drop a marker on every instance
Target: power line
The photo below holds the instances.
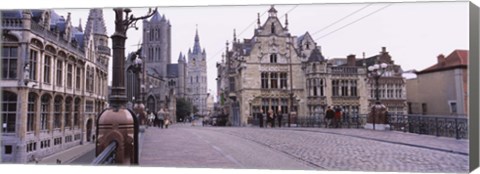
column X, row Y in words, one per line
column 376, row 11
column 342, row 19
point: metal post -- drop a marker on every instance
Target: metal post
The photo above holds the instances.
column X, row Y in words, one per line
column 456, row 128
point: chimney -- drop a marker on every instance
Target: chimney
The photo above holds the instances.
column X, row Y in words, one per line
column 440, row 58
column 351, row 60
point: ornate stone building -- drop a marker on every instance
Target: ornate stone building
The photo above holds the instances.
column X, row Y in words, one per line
column 54, row 82
column 196, row 80
column 277, row 71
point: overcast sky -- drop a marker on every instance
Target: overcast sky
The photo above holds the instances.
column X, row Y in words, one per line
column 414, row 33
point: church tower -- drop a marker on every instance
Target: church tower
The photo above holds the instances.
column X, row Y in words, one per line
column 156, row 44
column 197, row 76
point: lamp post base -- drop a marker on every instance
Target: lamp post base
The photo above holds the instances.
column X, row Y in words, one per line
column 379, row 127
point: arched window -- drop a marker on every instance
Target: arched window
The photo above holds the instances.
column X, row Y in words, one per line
column 9, row 111
column 31, row 111
column 151, row 104
column 45, row 112
column 273, row 28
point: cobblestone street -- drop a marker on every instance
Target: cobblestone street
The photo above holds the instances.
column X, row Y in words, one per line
column 306, row 149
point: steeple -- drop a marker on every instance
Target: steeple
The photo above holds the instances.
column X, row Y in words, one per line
column 286, row 21
column 234, row 35
column 180, row 57
column 96, row 22
column 196, row 46
column 80, row 28
column 272, row 12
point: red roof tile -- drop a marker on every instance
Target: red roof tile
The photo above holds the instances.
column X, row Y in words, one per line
column 456, row 58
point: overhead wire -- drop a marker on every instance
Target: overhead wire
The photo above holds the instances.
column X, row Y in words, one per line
column 355, row 21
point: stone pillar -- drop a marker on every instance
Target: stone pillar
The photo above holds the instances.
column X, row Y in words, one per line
column 21, row 124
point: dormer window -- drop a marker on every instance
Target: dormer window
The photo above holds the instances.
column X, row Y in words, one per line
column 307, row 46
column 273, row 58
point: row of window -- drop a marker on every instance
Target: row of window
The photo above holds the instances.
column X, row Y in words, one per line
column 273, row 80
column 387, row 94
column 154, row 54
column 9, row 70
column 344, row 88
column 9, row 112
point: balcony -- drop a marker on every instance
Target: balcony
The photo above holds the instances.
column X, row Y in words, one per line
column 12, row 23
column 103, row 50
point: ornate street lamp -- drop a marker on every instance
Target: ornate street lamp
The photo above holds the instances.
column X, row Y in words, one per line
column 376, row 71
column 117, row 125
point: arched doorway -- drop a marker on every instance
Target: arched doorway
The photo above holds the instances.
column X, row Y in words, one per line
column 151, row 104
column 89, row 130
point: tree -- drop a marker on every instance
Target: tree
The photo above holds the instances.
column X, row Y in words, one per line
column 184, row 109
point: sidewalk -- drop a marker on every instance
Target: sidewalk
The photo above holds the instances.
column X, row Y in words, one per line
column 68, row 155
column 446, row 144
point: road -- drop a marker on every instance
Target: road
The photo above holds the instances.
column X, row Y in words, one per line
column 254, row 148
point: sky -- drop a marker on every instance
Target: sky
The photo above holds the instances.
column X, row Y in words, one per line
column 413, row 33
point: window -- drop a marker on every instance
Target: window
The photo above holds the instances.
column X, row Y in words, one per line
column 264, row 77
column 33, row 64
column 265, row 105
column 46, row 70
column 453, row 107
column 9, row 62
column 284, row 105
column 273, row 58
column 231, row 81
column 274, row 105
column 78, row 82
column 57, row 107
column 353, row 88
column 76, row 113
column 322, row 92
column 59, row 72
column 308, row 45
column 9, row 108
column 89, row 106
column 69, row 75
column 32, row 99
column 44, row 115
column 274, row 80
column 273, row 28
column 283, row 80
column 8, row 149
column 315, row 81
column 344, row 87
column 335, row 87
column 68, row 114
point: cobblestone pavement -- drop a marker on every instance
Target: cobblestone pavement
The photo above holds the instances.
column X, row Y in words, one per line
column 320, row 149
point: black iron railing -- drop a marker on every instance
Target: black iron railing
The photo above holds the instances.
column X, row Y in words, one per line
column 441, row 126
column 107, row 156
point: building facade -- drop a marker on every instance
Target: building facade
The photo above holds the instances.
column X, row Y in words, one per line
column 54, row 82
column 446, row 81
column 274, row 70
column 196, row 81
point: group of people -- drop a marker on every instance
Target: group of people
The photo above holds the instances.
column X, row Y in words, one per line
column 159, row 119
column 333, row 117
column 270, row 118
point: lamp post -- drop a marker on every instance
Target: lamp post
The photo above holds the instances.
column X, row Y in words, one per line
column 376, row 71
column 107, row 129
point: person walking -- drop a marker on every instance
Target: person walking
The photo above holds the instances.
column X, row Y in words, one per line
column 338, row 116
column 329, row 114
column 260, row 117
column 161, row 117
column 279, row 117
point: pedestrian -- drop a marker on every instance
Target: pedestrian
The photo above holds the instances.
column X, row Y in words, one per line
column 167, row 122
column 161, row 117
column 279, row 117
column 272, row 118
column 151, row 118
column 338, row 116
column 329, row 114
column 260, row 117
